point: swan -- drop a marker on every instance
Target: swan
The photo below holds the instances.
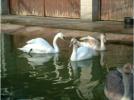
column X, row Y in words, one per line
column 39, row 45
column 94, row 43
column 119, row 83
column 80, row 53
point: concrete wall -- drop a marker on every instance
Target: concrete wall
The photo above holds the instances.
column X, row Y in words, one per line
column 86, row 9
column 90, row 10
column 4, row 7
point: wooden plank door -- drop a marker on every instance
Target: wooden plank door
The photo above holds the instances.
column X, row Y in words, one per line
column 27, row 7
column 116, row 9
column 62, row 8
column 53, row 8
column 14, row 9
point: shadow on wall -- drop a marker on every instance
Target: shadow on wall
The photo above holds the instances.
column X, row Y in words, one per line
column 4, row 7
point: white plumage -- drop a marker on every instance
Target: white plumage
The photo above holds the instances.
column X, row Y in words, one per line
column 80, row 53
column 94, row 43
column 40, row 45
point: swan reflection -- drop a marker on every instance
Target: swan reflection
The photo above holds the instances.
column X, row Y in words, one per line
column 47, row 66
column 102, row 55
column 38, row 59
column 82, row 73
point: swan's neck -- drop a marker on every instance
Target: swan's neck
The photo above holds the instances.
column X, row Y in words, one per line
column 102, row 45
column 126, row 85
column 126, row 88
column 56, row 48
column 74, row 53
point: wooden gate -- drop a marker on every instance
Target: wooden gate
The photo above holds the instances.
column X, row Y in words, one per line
column 116, row 9
column 27, row 7
column 62, row 8
column 54, row 8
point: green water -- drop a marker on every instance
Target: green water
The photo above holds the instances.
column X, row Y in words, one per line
column 54, row 77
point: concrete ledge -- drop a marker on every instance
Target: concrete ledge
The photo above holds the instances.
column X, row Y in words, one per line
column 15, row 29
column 72, row 24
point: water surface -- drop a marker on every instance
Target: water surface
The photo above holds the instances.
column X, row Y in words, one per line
column 54, row 76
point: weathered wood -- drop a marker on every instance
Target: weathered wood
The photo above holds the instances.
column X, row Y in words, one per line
column 116, row 9
column 62, row 8
column 14, row 8
column 54, row 8
column 27, row 7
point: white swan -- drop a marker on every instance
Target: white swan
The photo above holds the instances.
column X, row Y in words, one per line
column 39, row 45
column 80, row 53
column 94, row 43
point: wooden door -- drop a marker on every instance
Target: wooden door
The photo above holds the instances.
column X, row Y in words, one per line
column 27, row 7
column 116, row 9
column 62, row 8
column 53, row 8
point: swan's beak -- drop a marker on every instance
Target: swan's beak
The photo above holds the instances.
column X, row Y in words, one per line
column 75, row 44
column 127, row 68
column 63, row 38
